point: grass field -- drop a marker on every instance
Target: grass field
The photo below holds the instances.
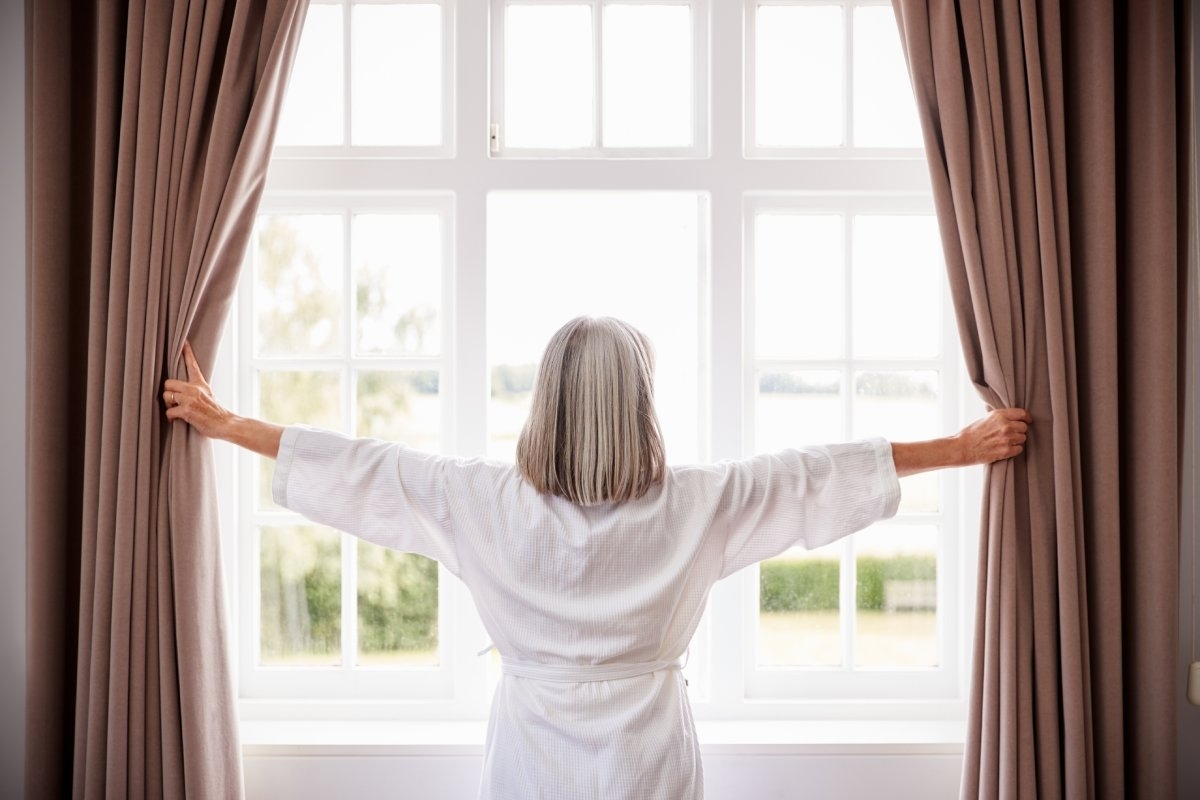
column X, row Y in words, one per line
column 814, row 638
column 795, row 638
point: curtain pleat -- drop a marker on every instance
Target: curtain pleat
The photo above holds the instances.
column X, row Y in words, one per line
column 174, row 106
column 1053, row 132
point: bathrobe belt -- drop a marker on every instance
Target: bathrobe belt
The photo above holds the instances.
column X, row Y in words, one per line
column 583, row 673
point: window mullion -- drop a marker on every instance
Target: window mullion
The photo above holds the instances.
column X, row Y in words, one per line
column 494, row 101
column 849, row 566
column 847, row 599
column 349, row 425
column 700, row 78
column 465, row 357
column 724, row 301
column 749, row 96
column 848, row 72
column 347, row 102
column 727, row 357
column 349, row 601
column 597, row 73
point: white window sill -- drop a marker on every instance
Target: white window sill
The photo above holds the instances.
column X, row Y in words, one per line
column 826, row 737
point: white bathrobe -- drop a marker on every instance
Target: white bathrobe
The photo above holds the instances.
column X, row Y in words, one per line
column 590, row 607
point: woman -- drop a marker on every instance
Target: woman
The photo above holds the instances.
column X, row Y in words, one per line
column 590, row 560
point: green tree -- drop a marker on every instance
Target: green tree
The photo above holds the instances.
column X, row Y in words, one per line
column 397, row 600
column 298, row 314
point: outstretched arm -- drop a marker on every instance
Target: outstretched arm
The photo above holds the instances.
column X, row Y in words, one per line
column 999, row 435
column 192, row 401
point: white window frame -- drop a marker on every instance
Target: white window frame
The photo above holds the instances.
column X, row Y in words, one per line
column 847, row 149
column 345, row 680
column 726, row 685
column 700, row 80
column 846, row 681
column 347, row 150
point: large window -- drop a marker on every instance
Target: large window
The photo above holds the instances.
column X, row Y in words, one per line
column 454, row 180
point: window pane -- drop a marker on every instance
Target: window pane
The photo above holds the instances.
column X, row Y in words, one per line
column 799, row 624
column 548, row 76
column 799, row 68
column 898, row 279
column 512, row 387
column 298, row 285
column 300, row 596
column 799, row 286
column 400, row 407
column 647, row 76
column 902, row 406
column 896, row 567
column 397, row 283
column 555, row 256
column 287, row 397
column 396, row 75
column 397, row 607
column 795, row 409
column 885, row 113
column 313, row 109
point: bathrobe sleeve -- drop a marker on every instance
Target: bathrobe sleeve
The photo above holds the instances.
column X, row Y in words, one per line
column 381, row 492
column 807, row 498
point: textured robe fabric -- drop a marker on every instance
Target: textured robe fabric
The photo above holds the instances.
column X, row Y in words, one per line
column 578, row 592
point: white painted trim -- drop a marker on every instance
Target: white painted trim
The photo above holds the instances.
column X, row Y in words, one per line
column 781, row 737
column 900, row 762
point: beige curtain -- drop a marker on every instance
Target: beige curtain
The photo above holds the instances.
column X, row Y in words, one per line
column 149, row 132
column 1056, row 133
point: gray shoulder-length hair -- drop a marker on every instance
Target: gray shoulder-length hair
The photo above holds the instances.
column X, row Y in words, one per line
column 592, row 435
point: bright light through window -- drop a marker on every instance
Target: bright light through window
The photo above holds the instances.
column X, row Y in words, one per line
column 885, row 114
column 312, row 110
column 799, row 67
column 898, row 278
column 556, row 256
column 799, row 283
column 647, row 69
column 548, row 78
column 396, row 69
column 393, row 69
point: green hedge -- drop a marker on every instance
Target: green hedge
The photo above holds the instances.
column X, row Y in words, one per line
column 812, row 584
column 301, row 611
column 397, row 600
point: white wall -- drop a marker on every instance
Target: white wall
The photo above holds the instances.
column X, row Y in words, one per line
column 12, row 398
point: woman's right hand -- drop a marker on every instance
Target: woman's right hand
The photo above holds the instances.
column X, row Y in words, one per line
column 192, row 400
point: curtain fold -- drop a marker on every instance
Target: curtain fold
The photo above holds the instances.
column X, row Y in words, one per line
column 1055, row 134
column 150, row 132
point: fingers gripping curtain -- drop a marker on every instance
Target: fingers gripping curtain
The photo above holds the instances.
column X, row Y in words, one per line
column 150, row 129
column 1052, row 131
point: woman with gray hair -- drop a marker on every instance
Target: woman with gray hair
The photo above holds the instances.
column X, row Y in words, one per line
column 590, row 560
